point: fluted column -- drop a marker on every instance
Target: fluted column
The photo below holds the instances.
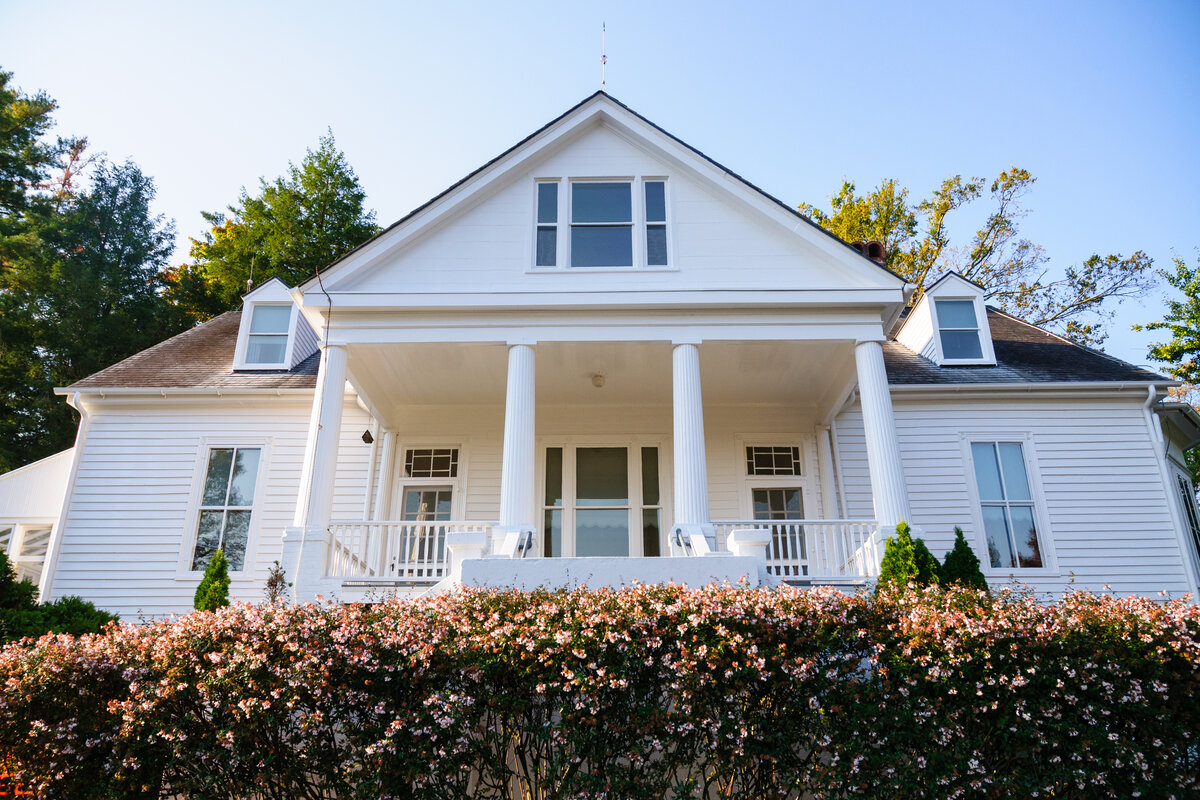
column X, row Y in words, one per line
column 691, row 468
column 387, row 468
column 883, row 448
column 517, row 482
column 321, row 466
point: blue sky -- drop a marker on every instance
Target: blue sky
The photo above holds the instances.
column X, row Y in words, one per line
column 1099, row 100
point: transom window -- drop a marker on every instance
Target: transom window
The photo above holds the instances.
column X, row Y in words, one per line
column 958, row 329
column 1007, row 505
column 776, row 460
column 226, row 505
column 268, row 337
column 431, row 463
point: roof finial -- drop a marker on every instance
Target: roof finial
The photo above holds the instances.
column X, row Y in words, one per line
column 603, row 57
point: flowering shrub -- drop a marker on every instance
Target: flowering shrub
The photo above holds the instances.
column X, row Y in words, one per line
column 646, row 693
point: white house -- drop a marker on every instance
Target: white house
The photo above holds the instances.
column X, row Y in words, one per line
column 603, row 357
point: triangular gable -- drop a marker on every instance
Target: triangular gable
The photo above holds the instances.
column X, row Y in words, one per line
column 600, row 111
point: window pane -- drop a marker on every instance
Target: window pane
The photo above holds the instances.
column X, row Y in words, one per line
column 961, row 344
column 266, row 349
column 791, row 504
column 427, row 504
column 987, row 471
column 270, row 319
column 208, row 538
column 237, row 527
column 762, row 504
column 35, row 541
column 547, row 247
column 217, row 482
column 245, row 473
column 650, row 476
column 547, row 210
column 1029, row 554
column 602, row 247
column 601, row 202
column 656, row 201
column 602, row 476
column 1016, row 485
column 656, row 245
column 5, row 538
column 552, row 547
column 956, row 314
column 554, row 457
column 650, row 530
column 601, row 532
column 999, row 545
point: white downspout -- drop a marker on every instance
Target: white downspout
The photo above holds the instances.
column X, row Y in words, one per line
column 1154, row 428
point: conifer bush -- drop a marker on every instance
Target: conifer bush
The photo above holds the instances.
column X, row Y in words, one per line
column 961, row 566
column 213, row 591
column 928, row 568
column 21, row 615
column 898, row 568
column 649, row 693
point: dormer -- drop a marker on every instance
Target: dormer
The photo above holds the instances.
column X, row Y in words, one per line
column 273, row 335
column 949, row 325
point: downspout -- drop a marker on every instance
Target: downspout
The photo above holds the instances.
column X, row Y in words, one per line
column 1154, row 428
column 56, row 535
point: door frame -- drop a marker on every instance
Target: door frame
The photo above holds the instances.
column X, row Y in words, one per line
column 633, row 445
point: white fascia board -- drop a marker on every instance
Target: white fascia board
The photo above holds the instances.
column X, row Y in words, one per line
column 1057, row 388
column 202, row 391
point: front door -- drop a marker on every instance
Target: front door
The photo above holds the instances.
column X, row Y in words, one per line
column 601, row 501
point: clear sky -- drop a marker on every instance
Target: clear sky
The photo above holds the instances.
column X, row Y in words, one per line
column 1099, row 100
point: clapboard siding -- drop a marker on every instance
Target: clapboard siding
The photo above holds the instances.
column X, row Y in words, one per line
column 1108, row 519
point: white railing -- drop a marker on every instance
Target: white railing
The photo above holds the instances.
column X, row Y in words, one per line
column 399, row 552
column 815, row 550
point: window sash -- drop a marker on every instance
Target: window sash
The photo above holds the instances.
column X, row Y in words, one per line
column 226, row 506
column 1007, row 505
column 959, row 340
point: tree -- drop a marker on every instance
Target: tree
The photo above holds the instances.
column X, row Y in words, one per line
column 83, row 292
column 1012, row 269
column 962, row 565
column 899, row 565
column 928, row 568
column 296, row 225
column 25, row 158
column 213, row 591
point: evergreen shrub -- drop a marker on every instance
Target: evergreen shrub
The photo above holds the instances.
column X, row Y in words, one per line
column 213, row 591
column 962, row 565
column 649, row 693
column 22, row 616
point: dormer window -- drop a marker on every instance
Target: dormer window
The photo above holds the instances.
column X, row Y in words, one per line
column 266, row 344
column 609, row 223
column 958, row 328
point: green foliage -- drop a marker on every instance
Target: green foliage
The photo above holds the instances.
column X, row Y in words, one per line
column 1012, row 269
column 213, row 591
column 22, row 616
column 294, row 226
column 651, row 692
column 1182, row 321
column 928, row 568
column 961, row 567
column 25, row 156
column 899, row 565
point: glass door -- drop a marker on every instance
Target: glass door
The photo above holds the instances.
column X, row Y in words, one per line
column 601, row 501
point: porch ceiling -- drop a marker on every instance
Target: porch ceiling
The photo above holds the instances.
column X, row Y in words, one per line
column 810, row 375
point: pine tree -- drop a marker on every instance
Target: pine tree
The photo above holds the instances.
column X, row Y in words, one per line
column 213, row 591
column 899, row 566
column 962, row 565
column 929, row 571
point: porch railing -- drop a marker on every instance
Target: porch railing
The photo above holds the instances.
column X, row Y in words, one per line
column 815, row 550
column 393, row 552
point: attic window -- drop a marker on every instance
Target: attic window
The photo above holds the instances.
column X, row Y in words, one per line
column 266, row 344
column 958, row 328
column 601, row 224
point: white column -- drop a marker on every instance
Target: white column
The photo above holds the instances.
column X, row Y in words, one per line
column 518, row 494
column 883, row 448
column 387, row 468
column 829, row 505
column 691, row 469
column 304, row 543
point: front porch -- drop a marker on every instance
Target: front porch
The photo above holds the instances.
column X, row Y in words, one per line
column 593, row 463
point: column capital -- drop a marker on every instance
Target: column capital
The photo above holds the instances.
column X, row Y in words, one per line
column 694, row 341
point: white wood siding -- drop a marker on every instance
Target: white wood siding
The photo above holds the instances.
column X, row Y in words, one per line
column 1109, row 522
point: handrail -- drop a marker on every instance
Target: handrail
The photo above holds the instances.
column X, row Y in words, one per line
column 815, row 550
column 393, row 551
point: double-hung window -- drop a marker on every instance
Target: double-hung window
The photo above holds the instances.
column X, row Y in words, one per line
column 226, row 505
column 601, row 224
column 1007, row 505
column 608, row 223
column 267, row 340
column 958, row 328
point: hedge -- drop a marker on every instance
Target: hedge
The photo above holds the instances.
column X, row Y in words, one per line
column 650, row 692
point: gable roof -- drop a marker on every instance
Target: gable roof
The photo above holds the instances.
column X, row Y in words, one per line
column 199, row 358
column 599, row 100
column 1024, row 354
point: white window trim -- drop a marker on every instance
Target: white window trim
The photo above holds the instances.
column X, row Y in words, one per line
column 633, row 447
column 183, row 569
column 243, row 342
column 458, row 494
column 750, row 482
column 637, row 209
column 988, row 356
column 20, row 528
column 977, row 535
